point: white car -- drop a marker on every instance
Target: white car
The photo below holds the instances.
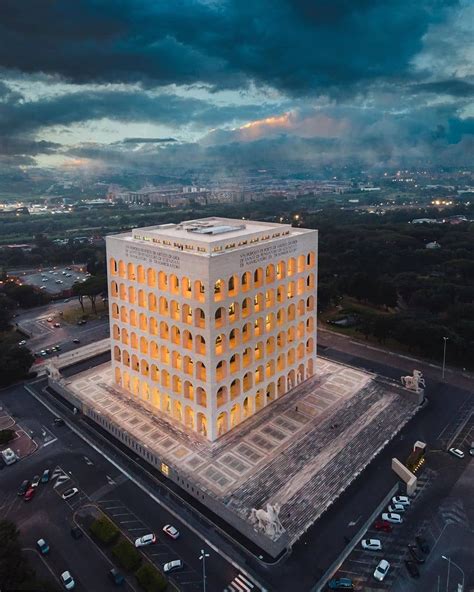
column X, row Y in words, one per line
column 456, row 452
column 391, row 517
column 67, row 580
column 381, row 570
column 172, row 565
column 70, row 493
column 396, row 508
column 171, row 531
column 146, row 539
column 401, row 499
column 371, row 544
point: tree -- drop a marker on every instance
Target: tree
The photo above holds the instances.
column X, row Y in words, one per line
column 13, row 567
column 15, row 363
column 91, row 288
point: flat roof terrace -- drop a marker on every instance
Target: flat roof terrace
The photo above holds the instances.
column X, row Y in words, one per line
column 301, row 452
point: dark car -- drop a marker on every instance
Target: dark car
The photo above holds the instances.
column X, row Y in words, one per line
column 412, row 568
column 422, row 544
column 383, row 525
column 23, row 487
column 340, row 584
column 30, row 492
column 76, row 532
column 58, row 421
column 415, row 553
column 116, row 577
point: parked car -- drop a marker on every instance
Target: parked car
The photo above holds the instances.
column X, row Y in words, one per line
column 412, row 568
column 341, row 584
column 76, row 340
column 383, row 525
column 45, row 475
column 81, row 322
column 146, row 539
column 456, row 452
column 422, row 544
column 70, row 493
column 42, row 546
column 396, row 508
column 22, row 343
column 391, row 517
column 50, row 319
column 416, row 553
column 371, row 544
column 58, row 421
column 471, row 450
column 116, row 577
column 381, row 570
column 173, row 565
column 76, row 532
column 57, row 325
column 67, row 580
column 30, row 492
column 35, row 481
column 24, row 487
column 171, row 531
column 401, row 499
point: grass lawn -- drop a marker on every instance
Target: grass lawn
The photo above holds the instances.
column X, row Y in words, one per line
column 74, row 313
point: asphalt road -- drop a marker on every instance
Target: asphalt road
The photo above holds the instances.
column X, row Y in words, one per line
column 44, row 334
column 100, row 483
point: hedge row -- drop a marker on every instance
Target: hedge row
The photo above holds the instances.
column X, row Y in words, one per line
column 150, row 579
column 126, row 554
column 104, row 530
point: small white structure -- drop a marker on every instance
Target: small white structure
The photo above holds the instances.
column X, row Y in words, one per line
column 414, row 383
column 268, row 521
column 9, row 457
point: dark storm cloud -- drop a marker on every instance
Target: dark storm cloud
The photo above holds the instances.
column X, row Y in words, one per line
column 454, row 87
column 293, row 45
column 20, row 117
column 148, row 140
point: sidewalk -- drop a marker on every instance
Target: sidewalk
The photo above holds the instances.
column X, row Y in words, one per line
column 348, row 345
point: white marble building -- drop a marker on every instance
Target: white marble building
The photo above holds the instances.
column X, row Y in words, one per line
column 212, row 319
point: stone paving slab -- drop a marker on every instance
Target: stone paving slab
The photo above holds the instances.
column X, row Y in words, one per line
column 301, row 451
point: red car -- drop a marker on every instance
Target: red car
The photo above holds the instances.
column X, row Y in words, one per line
column 30, row 492
column 383, row 525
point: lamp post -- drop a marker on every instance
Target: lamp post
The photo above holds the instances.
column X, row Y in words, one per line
column 445, row 339
column 202, row 558
column 450, row 561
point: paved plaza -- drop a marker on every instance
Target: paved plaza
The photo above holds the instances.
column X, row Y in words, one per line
column 300, row 452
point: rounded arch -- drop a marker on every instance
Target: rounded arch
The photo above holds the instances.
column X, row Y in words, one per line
column 199, row 291
column 131, row 272
column 258, row 278
column 186, row 287
column 151, row 277
column 246, row 307
column 133, row 318
column 199, row 318
column 124, row 314
column 117, row 354
column 221, row 370
column 115, row 311
column 122, row 269
column 235, row 388
column 222, row 423
column 280, row 270
column 270, row 273
column 140, row 274
column 220, row 344
column 125, row 337
column 247, row 382
column 116, row 332
column 132, row 294
column 201, row 396
column 259, row 400
column 163, row 307
column 301, row 263
column 246, row 281
column 310, row 303
column 235, row 415
column 291, row 270
column 202, row 424
column 114, row 292
column 222, row 396
column 118, row 376
column 220, row 317
column 113, row 267
column 219, row 290
column 233, row 285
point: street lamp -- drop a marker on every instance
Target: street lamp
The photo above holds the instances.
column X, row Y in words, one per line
column 450, row 561
column 445, row 339
column 202, row 558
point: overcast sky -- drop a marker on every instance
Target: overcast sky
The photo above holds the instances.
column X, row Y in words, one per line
column 88, row 83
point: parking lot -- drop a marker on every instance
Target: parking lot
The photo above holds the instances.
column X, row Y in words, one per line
column 55, row 280
column 161, row 552
column 361, row 563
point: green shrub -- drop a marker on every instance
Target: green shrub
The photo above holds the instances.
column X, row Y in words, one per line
column 6, row 436
column 150, row 579
column 104, row 530
column 126, row 554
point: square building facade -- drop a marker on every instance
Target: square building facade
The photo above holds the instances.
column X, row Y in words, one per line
column 212, row 319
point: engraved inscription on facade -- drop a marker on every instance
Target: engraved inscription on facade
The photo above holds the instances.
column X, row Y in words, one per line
column 153, row 256
column 261, row 254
